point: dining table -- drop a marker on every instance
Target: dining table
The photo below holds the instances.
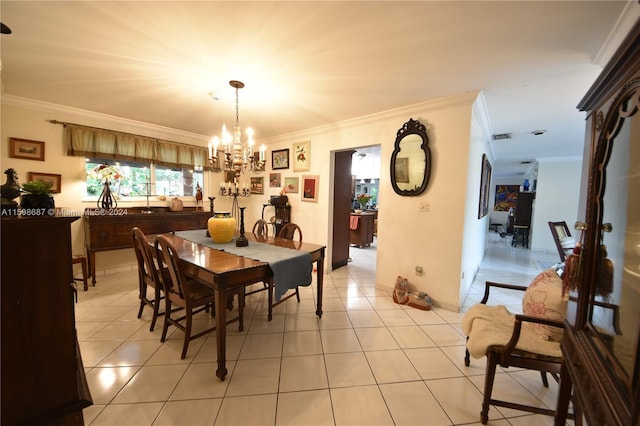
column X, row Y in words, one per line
column 224, row 268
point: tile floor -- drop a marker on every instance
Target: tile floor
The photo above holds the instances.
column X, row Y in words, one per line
column 367, row 361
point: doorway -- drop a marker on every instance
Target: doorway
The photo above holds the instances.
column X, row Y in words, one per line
column 356, row 173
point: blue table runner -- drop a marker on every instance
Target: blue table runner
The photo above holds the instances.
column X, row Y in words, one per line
column 291, row 268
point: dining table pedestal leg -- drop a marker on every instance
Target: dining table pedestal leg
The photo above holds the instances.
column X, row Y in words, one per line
column 221, row 332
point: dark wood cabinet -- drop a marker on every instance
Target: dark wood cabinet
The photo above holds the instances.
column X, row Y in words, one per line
column 43, row 380
column 524, row 208
column 361, row 229
column 601, row 341
column 112, row 232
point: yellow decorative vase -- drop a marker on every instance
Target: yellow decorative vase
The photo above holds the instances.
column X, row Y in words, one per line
column 222, row 227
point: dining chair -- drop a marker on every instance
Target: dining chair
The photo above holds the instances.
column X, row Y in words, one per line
column 261, row 227
column 565, row 243
column 291, row 232
column 189, row 294
column 148, row 276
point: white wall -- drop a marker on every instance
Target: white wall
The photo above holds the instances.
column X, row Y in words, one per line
column 406, row 238
column 557, row 198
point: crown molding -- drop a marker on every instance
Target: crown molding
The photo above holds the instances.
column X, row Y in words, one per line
column 137, row 126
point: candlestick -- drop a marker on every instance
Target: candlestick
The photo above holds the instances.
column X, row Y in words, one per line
column 242, row 241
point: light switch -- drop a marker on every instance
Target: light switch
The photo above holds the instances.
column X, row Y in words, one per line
column 425, row 207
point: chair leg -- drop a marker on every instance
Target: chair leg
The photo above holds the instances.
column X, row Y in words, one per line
column 467, row 356
column 241, row 310
column 270, row 291
column 545, row 382
column 83, row 265
column 156, row 308
column 492, row 361
column 187, row 332
column 297, row 295
column 167, row 316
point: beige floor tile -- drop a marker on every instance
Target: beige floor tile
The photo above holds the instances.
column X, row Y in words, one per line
column 391, row 366
column 264, row 345
column 85, row 329
column 395, row 317
column 445, row 334
column 209, row 350
column 376, row 339
column 151, row 383
column 334, row 320
column 255, row 376
column 355, row 303
column 200, row 381
column 411, row 336
column 305, row 408
column 383, row 301
column 301, row 343
column 460, row 399
column 261, row 324
column 348, row 369
column 131, row 353
column 128, row 414
column 105, row 383
column 104, row 313
column 189, row 413
column 301, row 322
column 360, row 319
column 411, row 403
column 303, row 373
column 351, row 291
column 432, row 363
column 341, row 340
column 332, row 304
column 256, row 410
column 117, row 330
column 360, row 405
column 424, row 317
column 171, row 350
column 94, row 352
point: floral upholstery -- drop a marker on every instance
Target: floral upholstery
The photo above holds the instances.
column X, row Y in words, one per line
column 544, row 299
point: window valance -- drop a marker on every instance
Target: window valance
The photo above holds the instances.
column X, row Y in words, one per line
column 93, row 142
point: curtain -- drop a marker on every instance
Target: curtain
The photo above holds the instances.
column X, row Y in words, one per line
column 85, row 141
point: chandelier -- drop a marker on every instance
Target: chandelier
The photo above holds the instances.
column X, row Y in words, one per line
column 237, row 157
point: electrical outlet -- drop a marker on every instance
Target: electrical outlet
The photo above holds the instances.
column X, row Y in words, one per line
column 425, row 207
column 418, row 271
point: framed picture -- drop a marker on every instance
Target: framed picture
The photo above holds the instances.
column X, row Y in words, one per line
column 229, row 176
column 280, row 159
column 291, row 184
column 310, row 188
column 257, row 185
column 402, row 170
column 506, row 196
column 54, row 180
column 302, row 156
column 23, row 148
column 275, row 180
column 485, row 181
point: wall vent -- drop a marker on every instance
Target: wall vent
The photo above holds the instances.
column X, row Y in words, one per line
column 500, row 136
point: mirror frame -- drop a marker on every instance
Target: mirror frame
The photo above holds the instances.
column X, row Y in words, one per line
column 411, row 127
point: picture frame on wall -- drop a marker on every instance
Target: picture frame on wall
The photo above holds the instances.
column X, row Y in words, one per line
column 291, row 184
column 53, row 179
column 26, row 149
column 302, row 156
column 257, row 185
column 275, row 181
column 485, row 182
column 310, row 188
column 280, row 159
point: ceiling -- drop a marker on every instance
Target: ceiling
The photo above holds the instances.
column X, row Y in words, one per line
column 308, row 64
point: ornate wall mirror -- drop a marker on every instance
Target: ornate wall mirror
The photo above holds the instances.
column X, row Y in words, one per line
column 411, row 159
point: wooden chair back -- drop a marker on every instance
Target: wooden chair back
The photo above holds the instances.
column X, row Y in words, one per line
column 261, row 227
column 289, row 232
column 562, row 238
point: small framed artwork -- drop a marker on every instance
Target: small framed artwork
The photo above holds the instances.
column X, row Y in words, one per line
column 275, row 180
column 54, row 180
column 257, row 185
column 310, row 188
column 302, row 156
column 280, row 159
column 485, row 182
column 229, row 176
column 291, row 185
column 23, row 148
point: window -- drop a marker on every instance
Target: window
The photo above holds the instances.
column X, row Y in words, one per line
column 133, row 179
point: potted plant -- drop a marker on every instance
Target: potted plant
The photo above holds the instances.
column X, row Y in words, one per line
column 36, row 199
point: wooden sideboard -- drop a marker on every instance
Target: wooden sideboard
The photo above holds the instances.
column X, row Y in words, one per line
column 104, row 232
column 43, row 380
column 363, row 234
